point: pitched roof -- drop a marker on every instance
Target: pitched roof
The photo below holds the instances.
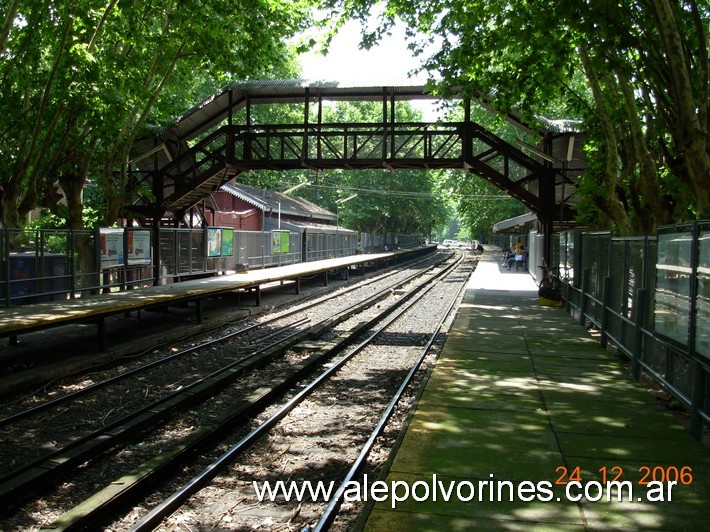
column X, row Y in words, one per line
column 270, row 200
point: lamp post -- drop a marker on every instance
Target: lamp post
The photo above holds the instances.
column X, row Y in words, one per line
column 337, row 208
column 288, row 191
column 337, row 218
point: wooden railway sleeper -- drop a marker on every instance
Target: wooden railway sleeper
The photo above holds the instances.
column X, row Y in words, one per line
column 31, row 476
column 20, row 481
column 120, row 490
column 124, row 488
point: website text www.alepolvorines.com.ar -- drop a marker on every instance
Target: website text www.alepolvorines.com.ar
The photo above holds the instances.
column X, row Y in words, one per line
column 491, row 490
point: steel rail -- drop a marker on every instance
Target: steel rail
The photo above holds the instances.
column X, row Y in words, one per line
column 331, row 510
column 174, row 501
column 113, row 380
column 117, row 378
column 27, row 477
column 89, row 511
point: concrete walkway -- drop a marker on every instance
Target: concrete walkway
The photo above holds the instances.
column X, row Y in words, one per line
column 521, row 392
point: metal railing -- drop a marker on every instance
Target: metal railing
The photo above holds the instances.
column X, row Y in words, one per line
column 650, row 298
column 48, row 264
column 351, row 146
column 255, row 249
column 38, row 265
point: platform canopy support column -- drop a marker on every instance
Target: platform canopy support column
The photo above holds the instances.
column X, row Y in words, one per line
column 156, row 250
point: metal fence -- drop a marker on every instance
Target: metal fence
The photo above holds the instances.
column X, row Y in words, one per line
column 377, row 243
column 321, row 245
column 47, row 264
column 649, row 297
column 52, row 264
column 183, row 253
column 255, row 249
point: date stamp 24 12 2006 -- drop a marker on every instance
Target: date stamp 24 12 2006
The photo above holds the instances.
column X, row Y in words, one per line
column 657, row 482
column 681, row 475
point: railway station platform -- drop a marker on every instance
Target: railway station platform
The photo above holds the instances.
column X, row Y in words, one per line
column 24, row 319
column 524, row 419
column 70, row 335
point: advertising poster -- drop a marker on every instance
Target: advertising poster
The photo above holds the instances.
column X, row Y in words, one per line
column 275, row 242
column 214, row 241
column 227, row 242
column 138, row 247
column 280, row 242
column 111, row 247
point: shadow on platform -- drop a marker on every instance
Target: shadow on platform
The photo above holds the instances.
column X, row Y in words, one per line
column 522, row 401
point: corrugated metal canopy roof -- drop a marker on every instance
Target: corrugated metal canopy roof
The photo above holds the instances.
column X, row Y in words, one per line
column 214, row 109
column 513, row 223
column 561, row 126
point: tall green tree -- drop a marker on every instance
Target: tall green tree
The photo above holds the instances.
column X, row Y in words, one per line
column 644, row 100
column 80, row 80
column 402, row 201
column 480, row 204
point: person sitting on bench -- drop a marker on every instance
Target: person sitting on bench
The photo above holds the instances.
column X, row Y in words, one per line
column 519, row 258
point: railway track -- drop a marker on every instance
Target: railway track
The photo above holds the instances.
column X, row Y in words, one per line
column 356, row 360
column 278, row 322
column 291, row 352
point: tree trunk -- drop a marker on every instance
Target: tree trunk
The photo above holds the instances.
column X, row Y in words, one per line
column 653, row 209
column 10, row 214
column 115, row 195
column 609, row 202
column 691, row 134
column 9, row 21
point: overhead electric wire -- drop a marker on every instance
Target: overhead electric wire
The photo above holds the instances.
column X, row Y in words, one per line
column 408, row 194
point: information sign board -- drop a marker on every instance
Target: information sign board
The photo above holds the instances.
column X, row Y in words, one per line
column 214, row 241
column 111, row 247
column 138, row 247
column 227, row 242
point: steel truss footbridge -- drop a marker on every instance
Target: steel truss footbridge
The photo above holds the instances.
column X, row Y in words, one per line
column 218, row 139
